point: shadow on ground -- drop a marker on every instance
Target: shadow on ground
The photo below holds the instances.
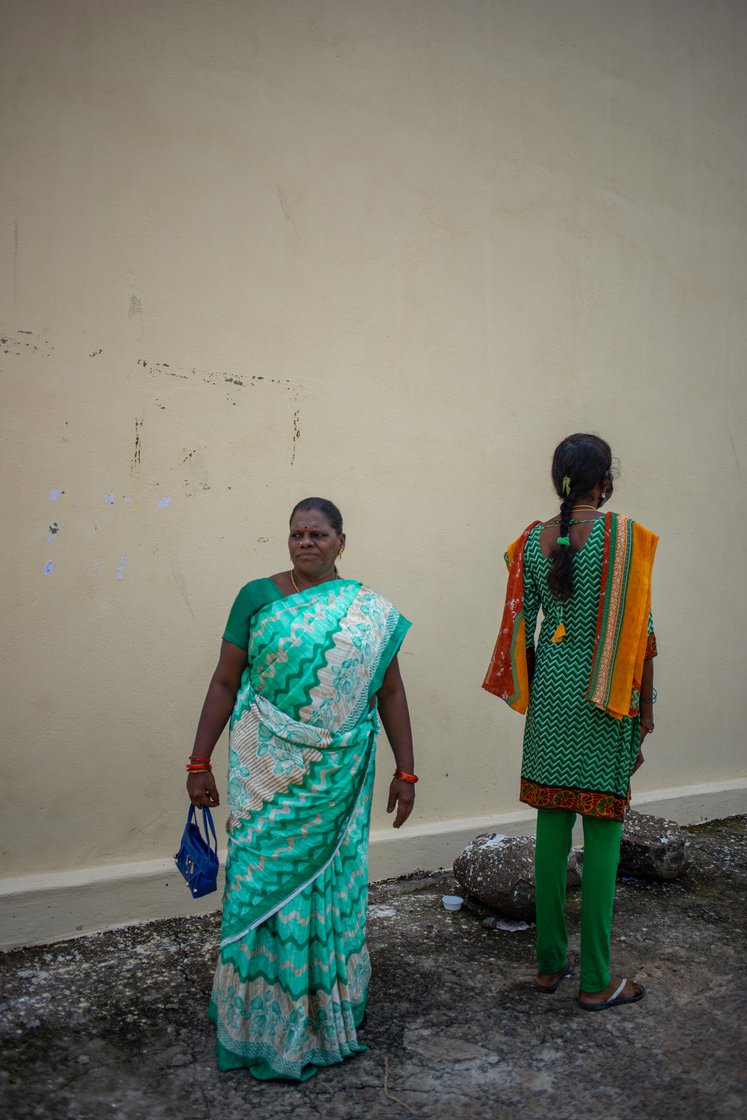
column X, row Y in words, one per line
column 114, row 1025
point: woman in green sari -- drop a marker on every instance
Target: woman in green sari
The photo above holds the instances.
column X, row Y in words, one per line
column 308, row 664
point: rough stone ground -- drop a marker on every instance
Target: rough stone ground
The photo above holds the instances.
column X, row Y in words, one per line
column 114, row 1025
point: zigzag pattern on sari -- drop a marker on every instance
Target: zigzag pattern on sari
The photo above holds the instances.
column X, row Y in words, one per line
column 293, row 974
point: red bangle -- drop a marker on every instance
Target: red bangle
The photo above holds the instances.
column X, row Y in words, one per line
column 199, row 758
column 404, row 777
column 198, row 769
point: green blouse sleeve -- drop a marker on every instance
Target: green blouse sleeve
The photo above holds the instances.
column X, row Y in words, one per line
column 252, row 597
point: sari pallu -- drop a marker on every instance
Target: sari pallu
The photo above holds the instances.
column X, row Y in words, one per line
column 292, row 979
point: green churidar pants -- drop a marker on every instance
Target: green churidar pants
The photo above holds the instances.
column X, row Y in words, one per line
column 601, row 857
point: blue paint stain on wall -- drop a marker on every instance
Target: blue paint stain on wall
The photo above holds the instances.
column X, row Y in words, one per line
column 54, row 495
column 49, row 568
column 109, row 499
column 121, row 567
column 164, row 503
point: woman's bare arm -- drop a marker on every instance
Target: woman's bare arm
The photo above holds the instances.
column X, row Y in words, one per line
column 219, row 702
column 395, row 717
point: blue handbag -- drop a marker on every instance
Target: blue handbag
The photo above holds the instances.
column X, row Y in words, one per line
column 197, row 858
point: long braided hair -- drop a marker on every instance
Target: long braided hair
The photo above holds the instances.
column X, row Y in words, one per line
column 580, row 462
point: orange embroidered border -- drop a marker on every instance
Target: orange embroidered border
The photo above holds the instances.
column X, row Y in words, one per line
column 609, row 806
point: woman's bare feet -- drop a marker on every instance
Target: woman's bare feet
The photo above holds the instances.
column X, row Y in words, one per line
column 619, row 990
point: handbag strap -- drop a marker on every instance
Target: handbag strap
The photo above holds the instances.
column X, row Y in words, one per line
column 207, row 826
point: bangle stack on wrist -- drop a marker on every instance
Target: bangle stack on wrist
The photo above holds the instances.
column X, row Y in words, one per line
column 199, row 765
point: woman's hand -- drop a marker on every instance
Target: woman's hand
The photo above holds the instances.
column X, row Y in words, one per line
column 202, row 790
column 401, row 796
column 638, row 762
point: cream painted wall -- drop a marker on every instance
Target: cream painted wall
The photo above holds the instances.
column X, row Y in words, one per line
column 389, row 251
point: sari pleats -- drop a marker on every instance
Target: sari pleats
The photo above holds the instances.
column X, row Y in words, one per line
column 288, row 996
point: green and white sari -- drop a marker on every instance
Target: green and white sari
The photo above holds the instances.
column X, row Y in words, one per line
column 291, row 983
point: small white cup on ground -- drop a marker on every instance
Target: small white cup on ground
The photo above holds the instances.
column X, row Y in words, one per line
column 452, row 901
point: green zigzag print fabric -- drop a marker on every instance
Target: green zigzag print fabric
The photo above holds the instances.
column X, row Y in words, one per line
column 575, row 756
column 291, row 983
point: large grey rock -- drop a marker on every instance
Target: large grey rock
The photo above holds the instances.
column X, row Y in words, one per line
column 653, row 848
column 499, row 871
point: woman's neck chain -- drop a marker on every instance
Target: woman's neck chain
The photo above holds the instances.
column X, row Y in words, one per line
column 298, row 589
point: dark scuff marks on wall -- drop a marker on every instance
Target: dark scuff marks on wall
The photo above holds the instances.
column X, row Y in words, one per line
column 25, row 347
column 135, row 466
column 296, row 433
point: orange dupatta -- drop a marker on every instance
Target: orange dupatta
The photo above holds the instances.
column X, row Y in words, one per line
column 508, row 673
column 622, row 639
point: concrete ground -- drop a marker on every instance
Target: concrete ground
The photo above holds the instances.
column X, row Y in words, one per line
column 114, row 1025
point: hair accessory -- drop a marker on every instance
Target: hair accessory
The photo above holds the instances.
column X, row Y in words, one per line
column 197, row 858
column 564, row 542
column 405, row 777
column 566, row 487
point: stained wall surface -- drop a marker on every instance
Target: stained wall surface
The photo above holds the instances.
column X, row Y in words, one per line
column 387, row 252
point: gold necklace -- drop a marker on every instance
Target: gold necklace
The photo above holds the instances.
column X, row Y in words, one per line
column 594, row 508
column 298, row 589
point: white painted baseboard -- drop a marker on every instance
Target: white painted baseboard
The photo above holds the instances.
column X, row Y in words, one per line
column 36, row 909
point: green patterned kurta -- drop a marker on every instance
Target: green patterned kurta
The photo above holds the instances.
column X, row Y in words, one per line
column 575, row 756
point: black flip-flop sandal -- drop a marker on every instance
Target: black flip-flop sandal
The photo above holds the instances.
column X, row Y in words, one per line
column 615, row 1000
column 550, row 989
